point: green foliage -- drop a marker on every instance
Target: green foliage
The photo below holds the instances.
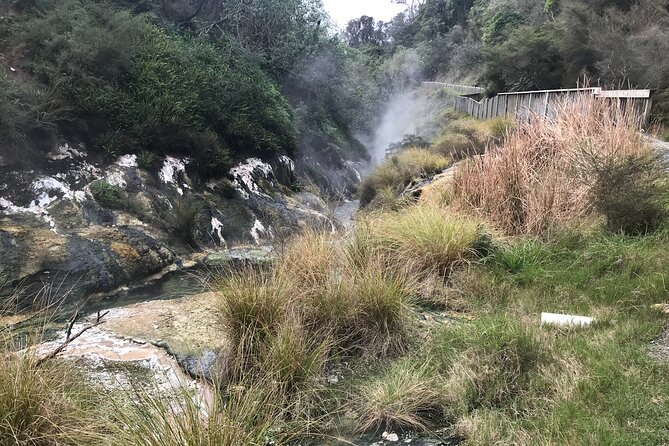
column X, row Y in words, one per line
column 182, row 219
column 527, row 60
column 156, row 91
column 504, row 356
column 108, row 195
column 630, row 191
column 496, row 30
column 146, row 159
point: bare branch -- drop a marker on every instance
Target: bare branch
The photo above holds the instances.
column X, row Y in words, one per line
column 70, row 338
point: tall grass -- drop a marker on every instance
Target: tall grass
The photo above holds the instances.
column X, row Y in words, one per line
column 404, row 396
column 288, row 324
column 392, row 176
column 43, row 404
column 466, row 137
column 420, row 239
column 239, row 416
column 529, row 183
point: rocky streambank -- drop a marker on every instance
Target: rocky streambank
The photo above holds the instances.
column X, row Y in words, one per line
column 77, row 224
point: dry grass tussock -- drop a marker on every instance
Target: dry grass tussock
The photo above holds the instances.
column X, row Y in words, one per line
column 240, row 416
column 312, row 303
column 467, row 137
column 390, row 178
column 532, row 181
column 404, row 396
column 327, row 298
column 421, row 239
column 43, row 404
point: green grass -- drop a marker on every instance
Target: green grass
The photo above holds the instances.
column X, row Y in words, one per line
column 422, row 239
column 109, row 195
column 403, row 396
column 488, row 373
column 579, row 386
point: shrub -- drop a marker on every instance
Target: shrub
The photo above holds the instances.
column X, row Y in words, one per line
column 408, row 142
column 453, row 145
column 405, row 396
column 183, row 218
column 156, row 91
column 466, row 137
column 146, row 159
column 631, row 191
column 108, row 195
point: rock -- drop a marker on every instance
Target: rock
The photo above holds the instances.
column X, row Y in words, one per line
column 199, row 366
column 236, row 257
column 390, row 437
column 52, row 228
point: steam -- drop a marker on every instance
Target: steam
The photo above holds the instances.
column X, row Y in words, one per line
column 403, row 116
column 410, row 110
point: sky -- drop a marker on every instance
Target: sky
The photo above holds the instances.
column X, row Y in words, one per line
column 342, row 11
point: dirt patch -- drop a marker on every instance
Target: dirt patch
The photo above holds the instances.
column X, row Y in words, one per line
column 659, row 348
column 186, row 324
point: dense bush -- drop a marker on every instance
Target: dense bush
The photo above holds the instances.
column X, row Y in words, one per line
column 526, row 44
column 141, row 88
column 630, row 191
column 524, row 187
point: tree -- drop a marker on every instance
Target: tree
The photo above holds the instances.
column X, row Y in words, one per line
column 365, row 31
column 528, row 60
column 411, row 5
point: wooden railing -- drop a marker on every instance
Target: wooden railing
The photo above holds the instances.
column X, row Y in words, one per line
column 525, row 105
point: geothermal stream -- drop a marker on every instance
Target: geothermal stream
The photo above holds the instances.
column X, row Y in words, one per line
column 130, row 340
column 141, row 327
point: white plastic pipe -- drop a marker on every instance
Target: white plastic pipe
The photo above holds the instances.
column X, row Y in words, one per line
column 565, row 319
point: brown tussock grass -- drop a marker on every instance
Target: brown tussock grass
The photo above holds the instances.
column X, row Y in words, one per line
column 528, row 184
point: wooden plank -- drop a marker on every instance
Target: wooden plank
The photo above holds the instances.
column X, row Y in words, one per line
column 591, row 89
column 623, row 94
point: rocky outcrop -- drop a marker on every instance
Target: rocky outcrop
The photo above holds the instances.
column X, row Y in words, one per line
column 82, row 225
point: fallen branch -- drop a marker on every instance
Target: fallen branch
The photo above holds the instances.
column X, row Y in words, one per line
column 70, row 338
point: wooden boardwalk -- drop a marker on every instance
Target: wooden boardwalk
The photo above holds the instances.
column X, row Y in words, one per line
column 524, row 105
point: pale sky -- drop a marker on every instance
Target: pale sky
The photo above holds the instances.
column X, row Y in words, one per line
column 342, row 11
